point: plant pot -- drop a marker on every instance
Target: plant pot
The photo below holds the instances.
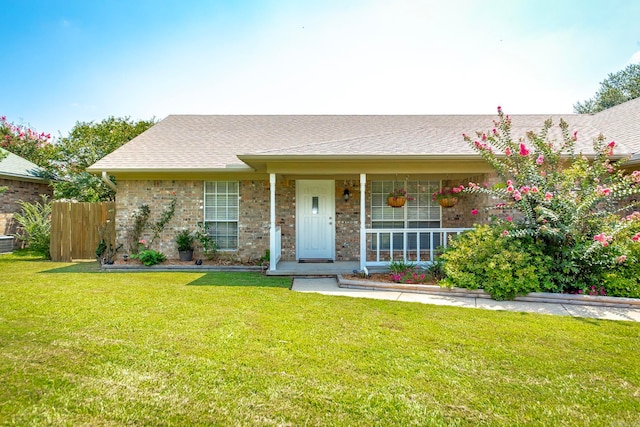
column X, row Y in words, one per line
column 396, row 202
column 448, row 202
column 185, row 255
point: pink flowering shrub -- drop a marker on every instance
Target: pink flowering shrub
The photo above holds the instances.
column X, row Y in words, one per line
column 570, row 208
column 407, row 272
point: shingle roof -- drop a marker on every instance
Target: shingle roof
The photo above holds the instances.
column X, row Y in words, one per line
column 15, row 167
column 209, row 142
column 621, row 123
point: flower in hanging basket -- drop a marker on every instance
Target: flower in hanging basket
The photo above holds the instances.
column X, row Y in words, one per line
column 398, row 197
column 448, row 197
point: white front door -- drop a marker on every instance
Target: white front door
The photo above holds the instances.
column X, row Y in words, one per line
column 315, row 219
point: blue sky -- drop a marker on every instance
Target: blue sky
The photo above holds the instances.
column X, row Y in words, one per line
column 68, row 61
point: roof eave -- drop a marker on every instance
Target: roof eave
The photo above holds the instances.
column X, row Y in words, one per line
column 29, row 178
column 332, row 157
column 231, row 168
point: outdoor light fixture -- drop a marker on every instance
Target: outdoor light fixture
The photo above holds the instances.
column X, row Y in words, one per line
column 346, row 194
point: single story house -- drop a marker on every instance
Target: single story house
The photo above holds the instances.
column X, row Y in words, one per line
column 314, row 187
column 24, row 181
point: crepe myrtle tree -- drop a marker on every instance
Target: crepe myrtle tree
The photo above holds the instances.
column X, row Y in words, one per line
column 571, row 207
column 22, row 140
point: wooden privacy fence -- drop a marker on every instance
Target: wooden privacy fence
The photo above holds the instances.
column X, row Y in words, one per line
column 75, row 229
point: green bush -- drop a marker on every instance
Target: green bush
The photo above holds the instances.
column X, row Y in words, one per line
column 484, row 259
column 184, row 240
column 35, row 220
column 149, row 257
column 620, row 285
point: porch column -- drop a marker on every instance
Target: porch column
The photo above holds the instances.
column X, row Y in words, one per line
column 363, row 219
column 272, row 228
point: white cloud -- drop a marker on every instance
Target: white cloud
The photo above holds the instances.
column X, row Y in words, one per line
column 635, row 58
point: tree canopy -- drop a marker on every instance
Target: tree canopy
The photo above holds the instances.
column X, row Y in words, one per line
column 87, row 143
column 615, row 89
column 67, row 159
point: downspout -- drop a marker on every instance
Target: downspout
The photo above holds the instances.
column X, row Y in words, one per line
column 107, row 181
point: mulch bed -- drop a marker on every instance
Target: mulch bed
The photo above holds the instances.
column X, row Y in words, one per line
column 379, row 278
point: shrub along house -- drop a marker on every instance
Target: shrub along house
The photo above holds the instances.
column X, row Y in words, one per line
column 314, row 188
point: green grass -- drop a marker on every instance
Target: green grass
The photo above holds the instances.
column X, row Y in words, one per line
column 81, row 347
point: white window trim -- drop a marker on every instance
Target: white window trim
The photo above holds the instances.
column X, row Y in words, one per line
column 237, row 220
column 405, row 218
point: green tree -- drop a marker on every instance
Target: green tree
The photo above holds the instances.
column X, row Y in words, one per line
column 615, row 89
column 87, row 143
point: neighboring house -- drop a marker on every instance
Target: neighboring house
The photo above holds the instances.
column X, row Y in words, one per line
column 280, row 183
column 24, row 182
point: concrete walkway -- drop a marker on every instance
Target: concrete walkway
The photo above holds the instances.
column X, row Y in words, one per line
column 329, row 286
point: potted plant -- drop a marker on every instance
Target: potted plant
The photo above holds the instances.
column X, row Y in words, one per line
column 398, row 197
column 448, row 197
column 184, row 241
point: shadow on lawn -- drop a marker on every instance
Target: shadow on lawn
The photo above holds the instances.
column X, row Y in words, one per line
column 79, row 267
column 257, row 280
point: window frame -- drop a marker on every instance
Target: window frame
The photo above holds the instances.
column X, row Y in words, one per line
column 404, row 222
column 207, row 223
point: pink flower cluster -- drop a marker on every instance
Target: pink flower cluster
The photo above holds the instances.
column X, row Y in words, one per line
column 633, row 217
column 610, row 146
column 636, row 237
column 603, row 239
column 483, row 146
column 22, row 132
column 635, row 177
column 408, row 277
column 602, row 191
column 525, row 189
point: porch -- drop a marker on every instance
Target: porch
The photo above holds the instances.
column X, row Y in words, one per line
column 293, row 268
column 374, row 243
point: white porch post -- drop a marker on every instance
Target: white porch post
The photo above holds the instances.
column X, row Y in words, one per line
column 363, row 219
column 272, row 228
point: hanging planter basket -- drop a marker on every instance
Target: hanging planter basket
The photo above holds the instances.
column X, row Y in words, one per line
column 396, row 202
column 448, row 202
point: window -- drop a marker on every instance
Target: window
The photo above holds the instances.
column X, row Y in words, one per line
column 221, row 212
column 419, row 213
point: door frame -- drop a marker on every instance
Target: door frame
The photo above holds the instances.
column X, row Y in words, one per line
column 330, row 183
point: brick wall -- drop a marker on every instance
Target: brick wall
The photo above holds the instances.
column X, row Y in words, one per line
column 254, row 211
column 17, row 191
column 253, row 227
column 157, row 195
column 460, row 215
column 348, row 221
column 286, row 215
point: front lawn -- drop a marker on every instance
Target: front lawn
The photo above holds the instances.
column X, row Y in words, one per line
column 82, row 347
